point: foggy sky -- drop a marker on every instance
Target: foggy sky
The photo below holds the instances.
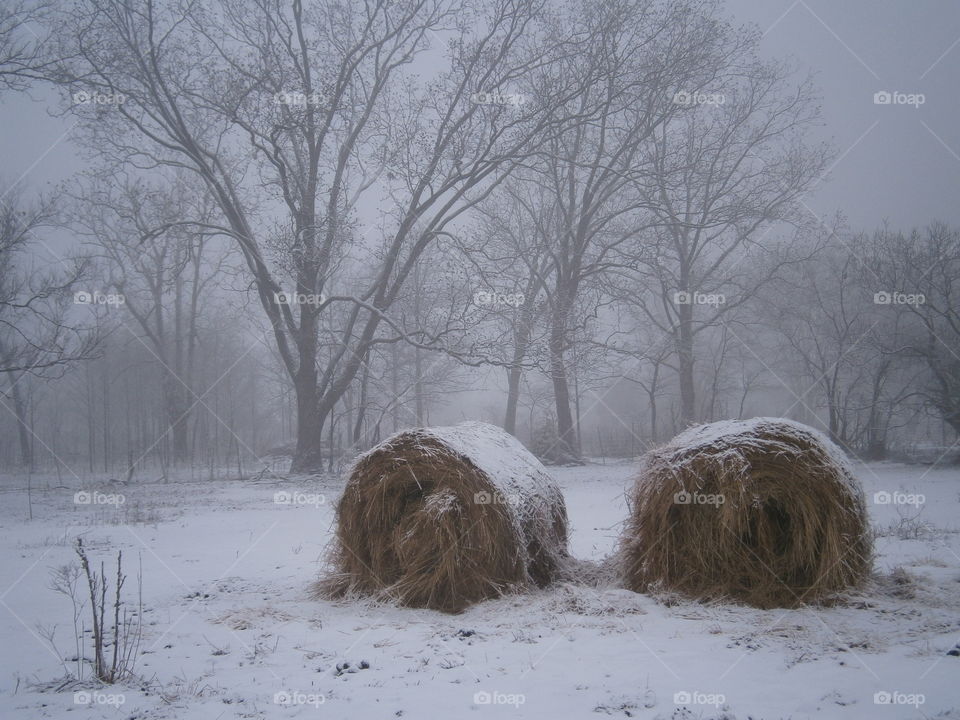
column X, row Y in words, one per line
column 894, row 162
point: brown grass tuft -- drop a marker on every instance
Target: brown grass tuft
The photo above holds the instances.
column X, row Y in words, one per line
column 792, row 527
column 413, row 527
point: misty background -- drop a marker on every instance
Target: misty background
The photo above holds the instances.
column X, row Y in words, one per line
column 590, row 223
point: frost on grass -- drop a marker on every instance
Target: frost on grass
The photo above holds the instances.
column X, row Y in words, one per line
column 445, row 517
column 765, row 511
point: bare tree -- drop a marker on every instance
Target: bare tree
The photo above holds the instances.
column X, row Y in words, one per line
column 512, row 261
column 36, row 332
column 38, row 335
column 636, row 55
column 313, row 106
column 20, row 42
column 845, row 351
column 917, row 276
column 724, row 174
column 826, row 323
column 154, row 247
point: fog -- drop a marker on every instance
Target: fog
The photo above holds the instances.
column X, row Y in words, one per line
column 584, row 358
column 469, row 284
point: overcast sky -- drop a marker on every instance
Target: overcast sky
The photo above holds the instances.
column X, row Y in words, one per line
column 898, row 162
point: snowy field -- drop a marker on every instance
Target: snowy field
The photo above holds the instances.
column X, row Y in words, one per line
column 230, row 633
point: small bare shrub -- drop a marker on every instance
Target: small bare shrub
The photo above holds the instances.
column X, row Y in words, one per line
column 115, row 638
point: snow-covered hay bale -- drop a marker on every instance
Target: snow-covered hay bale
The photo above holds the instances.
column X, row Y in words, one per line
column 765, row 511
column 445, row 517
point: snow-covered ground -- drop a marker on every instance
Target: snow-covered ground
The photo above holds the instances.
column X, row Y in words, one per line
column 229, row 631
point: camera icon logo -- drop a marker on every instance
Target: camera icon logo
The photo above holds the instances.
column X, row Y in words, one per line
column 282, row 497
column 682, row 98
column 682, row 297
column 882, row 698
column 483, row 498
column 882, row 298
column 82, row 697
column 82, row 297
column 482, row 297
column 281, row 298
column 683, row 498
column 682, row 698
column 482, row 698
column 282, row 698
column 82, row 497
column 882, row 97
column 882, row 498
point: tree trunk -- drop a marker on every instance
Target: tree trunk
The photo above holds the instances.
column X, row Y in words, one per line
column 420, row 399
column 876, row 431
column 833, row 408
column 106, row 417
column 685, row 366
column 652, row 395
column 91, row 424
column 395, row 385
column 362, row 404
column 23, row 425
column 521, row 342
column 566, row 432
column 513, row 399
column 176, row 409
column 308, row 457
column 331, row 430
column 576, row 405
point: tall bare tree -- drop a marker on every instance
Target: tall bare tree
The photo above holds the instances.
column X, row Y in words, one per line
column 511, row 262
column 153, row 246
column 724, row 175
column 917, row 275
column 638, row 55
column 38, row 334
column 294, row 113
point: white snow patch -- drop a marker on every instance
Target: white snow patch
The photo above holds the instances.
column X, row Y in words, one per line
column 728, row 439
column 571, row 651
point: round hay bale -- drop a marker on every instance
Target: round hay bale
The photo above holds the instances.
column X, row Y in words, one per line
column 765, row 511
column 444, row 517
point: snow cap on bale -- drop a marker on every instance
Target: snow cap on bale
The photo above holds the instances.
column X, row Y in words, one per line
column 766, row 511
column 444, row 517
